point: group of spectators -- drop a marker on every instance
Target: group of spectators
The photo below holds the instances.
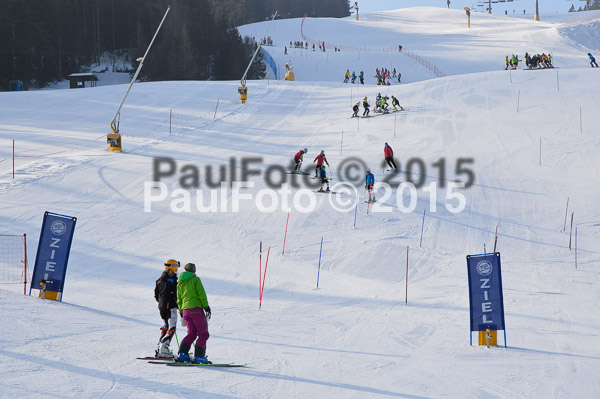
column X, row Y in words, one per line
column 384, row 75
column 536, row 61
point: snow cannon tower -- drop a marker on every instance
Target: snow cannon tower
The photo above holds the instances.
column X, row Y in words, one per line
column 243, row 90
column 114, row 139
column 289, row 75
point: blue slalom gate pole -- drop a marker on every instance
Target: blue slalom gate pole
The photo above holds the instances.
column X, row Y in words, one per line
column 320, row 252
column 422, row 227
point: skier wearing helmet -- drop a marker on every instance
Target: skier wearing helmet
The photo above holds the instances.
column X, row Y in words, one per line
column 369, row 183
column 355, row 109
column 592, row 60
column 194, row 309
column 389, row 156
column 165, row 293
column 298, row 158
column 370, row 180
column 319, row 160
column 366, row 107
column 324, row 179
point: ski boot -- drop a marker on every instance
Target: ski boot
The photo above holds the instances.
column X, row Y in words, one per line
column 320, row 190
column 183, row 358
column 164, row 351
column 201, row 360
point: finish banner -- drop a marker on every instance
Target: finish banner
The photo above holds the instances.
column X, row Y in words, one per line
column 485, row 292
column 53, row 252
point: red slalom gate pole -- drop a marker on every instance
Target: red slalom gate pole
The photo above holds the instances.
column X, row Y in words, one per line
column 406, row 293
column 285, row 235
column 264, row 278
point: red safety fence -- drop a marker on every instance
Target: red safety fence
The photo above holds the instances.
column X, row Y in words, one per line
column 392, row 49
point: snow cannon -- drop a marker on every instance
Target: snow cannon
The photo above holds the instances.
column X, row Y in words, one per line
column 289, row 75
column 114, row 142
column 243, row 90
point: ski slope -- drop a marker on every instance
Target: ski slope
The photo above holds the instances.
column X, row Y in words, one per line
column 354, row 336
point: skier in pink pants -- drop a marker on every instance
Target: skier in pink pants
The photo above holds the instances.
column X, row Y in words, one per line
column 193, row 305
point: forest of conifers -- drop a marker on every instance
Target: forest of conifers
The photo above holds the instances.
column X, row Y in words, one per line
column 46, row 40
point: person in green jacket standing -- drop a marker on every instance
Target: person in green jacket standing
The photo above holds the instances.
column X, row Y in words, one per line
column 194, row 309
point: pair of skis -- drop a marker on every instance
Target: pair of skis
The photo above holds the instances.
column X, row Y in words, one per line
column 169, row 361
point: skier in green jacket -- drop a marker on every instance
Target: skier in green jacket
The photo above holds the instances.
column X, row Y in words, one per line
column 194, row 309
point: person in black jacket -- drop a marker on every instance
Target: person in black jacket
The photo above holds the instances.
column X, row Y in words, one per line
column 165, row 293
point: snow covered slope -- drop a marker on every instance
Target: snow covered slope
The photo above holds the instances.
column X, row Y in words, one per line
column 353, row 337
column 440, row 37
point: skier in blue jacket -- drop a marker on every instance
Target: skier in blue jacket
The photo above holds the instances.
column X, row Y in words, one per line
column 592, row 60
column 369, row 183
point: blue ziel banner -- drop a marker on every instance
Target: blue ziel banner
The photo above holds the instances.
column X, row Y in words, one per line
column 53, row 251
column 485, row 292
column 270, row 62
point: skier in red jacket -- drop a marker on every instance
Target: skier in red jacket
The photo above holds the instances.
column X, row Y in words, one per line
column 389, row 156
column 319, row 160
column 298, row 158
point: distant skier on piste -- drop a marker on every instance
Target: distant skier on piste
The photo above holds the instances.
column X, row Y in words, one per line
column 355, row 109
column 396, row 104
column 353, row 77
column 384, row 104
column 388, row 152
column 324, row 179
column 361, row 77
column 319, row 160
column 366, row 107
column 347, row 76
column 195, row 311
column 369, row 183
column 592, row 60
column 298, row 158
column 165, row 293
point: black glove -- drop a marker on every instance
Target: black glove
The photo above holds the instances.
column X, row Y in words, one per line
column 207, row 312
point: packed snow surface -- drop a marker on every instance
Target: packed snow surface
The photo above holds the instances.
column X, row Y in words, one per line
column 533, row 138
